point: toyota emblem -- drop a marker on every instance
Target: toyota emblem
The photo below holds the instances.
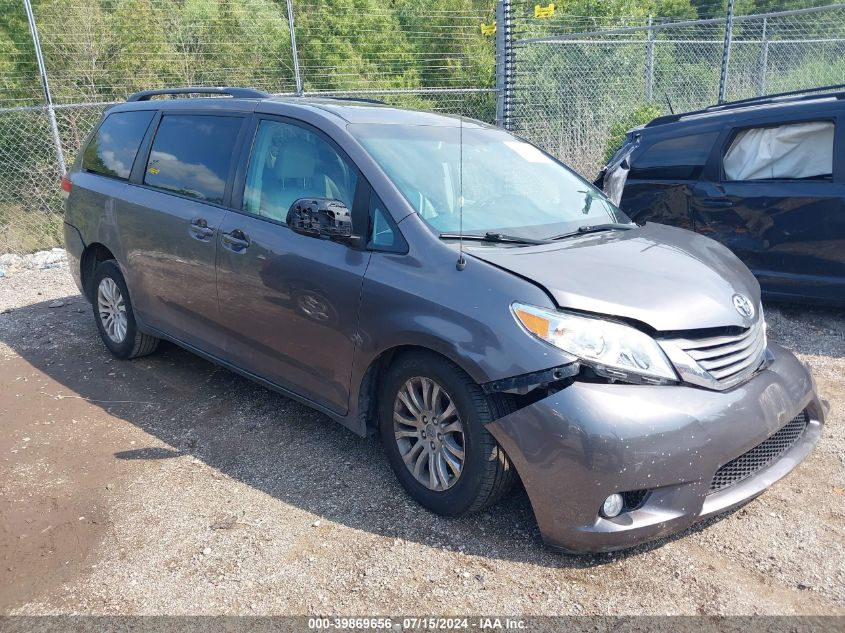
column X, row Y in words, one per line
column 743, row 305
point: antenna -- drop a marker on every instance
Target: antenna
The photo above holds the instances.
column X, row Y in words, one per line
column 669, row 103
column 665, row 96
column 462, row 262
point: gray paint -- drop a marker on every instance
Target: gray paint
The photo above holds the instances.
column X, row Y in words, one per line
column 311, row 318
column 667, row 278
column 589, row 440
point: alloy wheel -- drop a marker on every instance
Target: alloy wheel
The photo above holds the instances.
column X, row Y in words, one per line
column 112, row 309
column 429, row 433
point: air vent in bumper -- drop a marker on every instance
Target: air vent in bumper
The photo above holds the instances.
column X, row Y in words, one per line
column 747, row 464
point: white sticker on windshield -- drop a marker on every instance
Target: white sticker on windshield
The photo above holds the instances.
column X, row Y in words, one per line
column 528, row 152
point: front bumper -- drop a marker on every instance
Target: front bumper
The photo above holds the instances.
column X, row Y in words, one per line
column 574, row 448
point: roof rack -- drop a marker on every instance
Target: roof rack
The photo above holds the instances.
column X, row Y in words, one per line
column 792, row 96
column 237, row 93
column 345, row 98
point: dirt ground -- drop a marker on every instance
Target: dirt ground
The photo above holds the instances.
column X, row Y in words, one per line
column 167, row 485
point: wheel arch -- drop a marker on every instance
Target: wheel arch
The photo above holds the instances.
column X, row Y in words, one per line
column 94, row 254
column 370, row 383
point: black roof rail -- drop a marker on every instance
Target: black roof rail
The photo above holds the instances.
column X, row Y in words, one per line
column 238, row 93
column 793, row 96
column 345, row 98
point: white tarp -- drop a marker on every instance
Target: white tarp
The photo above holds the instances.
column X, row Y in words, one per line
column 797, row 150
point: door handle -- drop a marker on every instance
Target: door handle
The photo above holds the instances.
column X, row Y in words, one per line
column 200, row 230
column 236, row 241
column 717, row 203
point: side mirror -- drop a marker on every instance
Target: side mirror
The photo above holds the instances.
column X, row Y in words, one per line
column 324, row 218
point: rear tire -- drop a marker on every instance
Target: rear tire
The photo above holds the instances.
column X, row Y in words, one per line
column 432, row 417
column 114, row 316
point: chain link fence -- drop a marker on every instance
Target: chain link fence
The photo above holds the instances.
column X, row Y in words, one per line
column 572, row 84
column 579, row 88
column 425, row 55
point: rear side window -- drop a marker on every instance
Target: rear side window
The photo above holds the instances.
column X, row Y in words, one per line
column 192, row 154
column 783, row 152
column 676, row 158
column 113, row 148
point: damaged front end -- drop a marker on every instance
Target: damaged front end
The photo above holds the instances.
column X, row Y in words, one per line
column 579, row 443
column 611, row 179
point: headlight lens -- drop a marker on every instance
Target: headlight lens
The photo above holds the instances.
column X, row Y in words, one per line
column 612, row 349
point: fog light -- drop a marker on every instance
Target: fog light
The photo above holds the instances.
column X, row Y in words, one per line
column 612, row 506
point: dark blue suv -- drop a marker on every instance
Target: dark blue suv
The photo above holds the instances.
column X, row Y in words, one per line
column 764, row 176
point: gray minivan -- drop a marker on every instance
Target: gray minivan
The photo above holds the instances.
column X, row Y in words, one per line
column 451, row 287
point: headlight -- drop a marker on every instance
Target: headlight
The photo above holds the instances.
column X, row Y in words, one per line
column 612, row 349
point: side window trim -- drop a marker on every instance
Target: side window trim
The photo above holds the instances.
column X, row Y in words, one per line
column 136, row 176
column 839, row 149
column 360, row 204
column 732, row 133
column 139, row 166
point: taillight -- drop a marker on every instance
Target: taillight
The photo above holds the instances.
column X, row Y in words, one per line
column 67, row 185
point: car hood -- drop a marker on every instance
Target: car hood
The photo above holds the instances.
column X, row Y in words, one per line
column 668, row 278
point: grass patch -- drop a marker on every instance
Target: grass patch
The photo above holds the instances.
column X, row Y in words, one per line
column 23, row 231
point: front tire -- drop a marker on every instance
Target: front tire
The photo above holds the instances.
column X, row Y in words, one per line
column 114, row 316
column 432, row 419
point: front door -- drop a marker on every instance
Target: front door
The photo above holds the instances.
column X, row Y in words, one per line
column 779, row 204
column 289, row 302
column 172, row 213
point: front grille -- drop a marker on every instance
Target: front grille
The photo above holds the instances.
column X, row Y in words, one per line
column 730, row 359
column 760, row 456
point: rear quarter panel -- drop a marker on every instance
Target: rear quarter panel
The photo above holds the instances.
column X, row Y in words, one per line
column 91, row 210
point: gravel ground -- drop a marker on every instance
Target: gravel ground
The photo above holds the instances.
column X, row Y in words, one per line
column 167, row 485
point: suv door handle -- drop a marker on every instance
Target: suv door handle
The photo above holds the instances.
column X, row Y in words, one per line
column 717, row 203
column 236, row 241
column 200, row 230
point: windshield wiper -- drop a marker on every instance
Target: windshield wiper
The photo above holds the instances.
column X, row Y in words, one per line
column 500, row 238
column 595, row 228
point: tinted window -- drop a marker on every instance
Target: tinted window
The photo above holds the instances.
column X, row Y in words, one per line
column 191, row 155
column 113, row 148
column 289, row 162
column 675, row 158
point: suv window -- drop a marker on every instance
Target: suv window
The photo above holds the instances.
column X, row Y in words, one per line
column 113, row 148
column 675, row 158
column 791, row 151
column 192, row 154
column 289, row 162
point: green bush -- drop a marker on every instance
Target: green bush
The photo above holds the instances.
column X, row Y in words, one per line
column 638, row 116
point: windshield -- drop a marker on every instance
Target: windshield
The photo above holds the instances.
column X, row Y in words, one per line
column 508, row 185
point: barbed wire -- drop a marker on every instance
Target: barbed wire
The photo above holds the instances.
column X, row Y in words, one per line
column 570, row 97
column 576, row 96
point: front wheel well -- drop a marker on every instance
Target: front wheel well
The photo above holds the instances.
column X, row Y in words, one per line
column 94, row 254
column 368, row 394
column 371, row 383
